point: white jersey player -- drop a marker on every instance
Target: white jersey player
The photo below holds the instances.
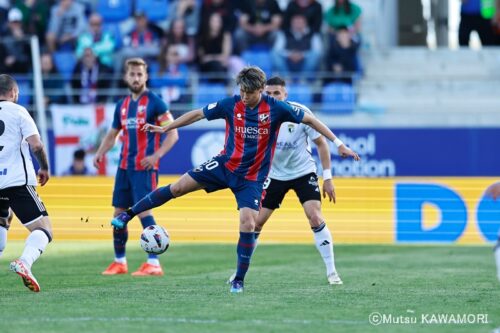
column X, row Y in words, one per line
column 293, row 167
column 18, row 134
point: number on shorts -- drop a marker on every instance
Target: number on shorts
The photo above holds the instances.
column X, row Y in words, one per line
column 212, row 165
column 267, row 182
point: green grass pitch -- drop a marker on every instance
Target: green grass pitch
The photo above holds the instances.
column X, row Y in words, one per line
column 285, row 291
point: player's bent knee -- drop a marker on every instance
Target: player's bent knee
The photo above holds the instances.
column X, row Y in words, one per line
column 47, row 233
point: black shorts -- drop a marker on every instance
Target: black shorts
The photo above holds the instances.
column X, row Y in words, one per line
column 306, row 188
column 24, row 201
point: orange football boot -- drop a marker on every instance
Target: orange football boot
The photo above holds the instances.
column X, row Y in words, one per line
column 116, row 268
column 148, row 269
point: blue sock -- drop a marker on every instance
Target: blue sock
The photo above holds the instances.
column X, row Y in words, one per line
column 244, row 252
column 154, row 199
column 146, row 222
column 120, row 237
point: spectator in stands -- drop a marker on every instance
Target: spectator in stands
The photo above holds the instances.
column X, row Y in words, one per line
column 260, row 21
column 15, row 53
column 297, row 50
column 342, row 57
column 184, row 43
column 476, row 17
column 91, row 79
column 172, row 77
column 67, row 22
column 188, row 11
column 214, row 49
column 53, row 84
column 143, row 41
column 35, row 17
column 311, row 9
column 78, row 167
column 344, row 13
column 101, row 42
column 225, row 8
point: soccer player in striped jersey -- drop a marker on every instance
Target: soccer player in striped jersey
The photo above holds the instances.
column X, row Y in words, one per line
column 252, row 124
column 19, row 135
column 137, row 173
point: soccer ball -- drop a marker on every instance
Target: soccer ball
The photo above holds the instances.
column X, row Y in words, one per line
column 155, row 239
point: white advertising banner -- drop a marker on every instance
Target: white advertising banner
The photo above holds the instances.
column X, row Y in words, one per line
column 83, row 127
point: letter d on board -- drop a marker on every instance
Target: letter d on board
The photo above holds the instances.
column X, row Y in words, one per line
column 410, row 199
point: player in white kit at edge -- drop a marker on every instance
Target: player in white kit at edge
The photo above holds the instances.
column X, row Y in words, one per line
column 18, row 134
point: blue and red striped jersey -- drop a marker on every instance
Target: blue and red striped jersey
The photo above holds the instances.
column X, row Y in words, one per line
column 251, row 134
column 129, row 117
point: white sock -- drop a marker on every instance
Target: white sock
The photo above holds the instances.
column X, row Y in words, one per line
column 497, row 259
column 122, row 260
column 3, row 239
column 324, row 244
column 35, row 245
column 154, row 261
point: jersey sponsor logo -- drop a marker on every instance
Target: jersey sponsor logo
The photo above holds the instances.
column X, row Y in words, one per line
column 251, row 132
column 3, row 172
column 211, row 106
column 132, row 123
column 264, row 118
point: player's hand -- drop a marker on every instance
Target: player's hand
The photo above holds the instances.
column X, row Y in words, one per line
column 494, row 191
column 153, row 128
column 329, row 189
column 346, row 152
column 43, row 176
column 149, row 162
column 97, row 160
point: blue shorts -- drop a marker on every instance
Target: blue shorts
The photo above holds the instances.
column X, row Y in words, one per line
column 131, row 186
column 215, row 176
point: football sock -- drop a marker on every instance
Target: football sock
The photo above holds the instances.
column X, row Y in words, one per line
column 120, row 237
column 122, row 260
column 3, row 239
column 154, row 199
column 34, row 247
column 244, row 252
column 146, row 221
column 324, row 244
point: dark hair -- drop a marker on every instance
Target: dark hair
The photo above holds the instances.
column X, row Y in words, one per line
column 79, row 154
column 7, row 83
column 251, row 78
column 276, row 81
column 346, row 5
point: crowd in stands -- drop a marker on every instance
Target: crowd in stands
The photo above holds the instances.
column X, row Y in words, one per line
column 84, row 42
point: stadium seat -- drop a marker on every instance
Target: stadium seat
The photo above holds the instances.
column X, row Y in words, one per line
column 209, row 93
column 338, row 98
column 261, row 59
column 114, row 10
column 155, row 10
column 300, row 93
column 115, row 31
column 65, row 63
column 25, row 92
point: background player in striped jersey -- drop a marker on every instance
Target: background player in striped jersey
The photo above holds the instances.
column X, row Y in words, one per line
column 19, row 135
column 252, row 123
column 137, row 173
column 294, row 168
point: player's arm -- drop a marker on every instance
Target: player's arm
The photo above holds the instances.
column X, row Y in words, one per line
column 326, row 163
column 315, row 123
column 167, row 144
column 38, row 150
column 107, row 143
column 184, row 120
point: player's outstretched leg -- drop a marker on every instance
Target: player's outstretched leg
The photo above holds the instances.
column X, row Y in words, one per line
column 152, row 267
column 154, row 199
column 35, row 245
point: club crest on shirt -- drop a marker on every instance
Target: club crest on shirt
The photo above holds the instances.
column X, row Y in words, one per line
column 238, row 115
column 264, row 118
column 291, row 128
column 141, row 108
column 124, row 111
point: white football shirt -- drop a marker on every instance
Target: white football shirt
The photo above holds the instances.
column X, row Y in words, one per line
column 16, row 166
column 292, row 155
